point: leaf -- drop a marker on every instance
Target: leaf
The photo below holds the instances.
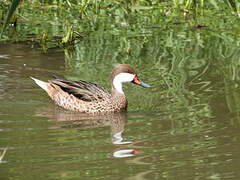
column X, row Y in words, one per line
column 214, row 3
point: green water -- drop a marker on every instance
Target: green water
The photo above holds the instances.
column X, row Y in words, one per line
column 186, row 126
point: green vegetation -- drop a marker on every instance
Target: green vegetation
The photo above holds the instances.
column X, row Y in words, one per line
column 66, row 22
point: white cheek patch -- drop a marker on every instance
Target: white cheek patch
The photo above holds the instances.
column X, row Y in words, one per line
column 122, row 78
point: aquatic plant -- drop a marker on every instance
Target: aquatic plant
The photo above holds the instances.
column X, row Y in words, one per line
column 10, row 13
column 57, row 19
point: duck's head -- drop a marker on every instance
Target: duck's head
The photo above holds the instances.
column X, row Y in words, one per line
column 124, row 73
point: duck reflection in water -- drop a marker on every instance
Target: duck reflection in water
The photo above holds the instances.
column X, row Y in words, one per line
column 116, row 122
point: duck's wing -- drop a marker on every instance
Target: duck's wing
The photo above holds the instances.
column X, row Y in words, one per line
column 83, row 90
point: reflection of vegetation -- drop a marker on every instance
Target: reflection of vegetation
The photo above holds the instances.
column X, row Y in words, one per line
column 185, row 68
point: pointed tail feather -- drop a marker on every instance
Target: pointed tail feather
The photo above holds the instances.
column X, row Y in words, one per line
column 42, row 84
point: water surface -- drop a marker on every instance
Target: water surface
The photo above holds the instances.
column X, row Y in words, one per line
column 186, row 126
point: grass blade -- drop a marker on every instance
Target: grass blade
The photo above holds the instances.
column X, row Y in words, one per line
column 11, row 11
column 232, row 4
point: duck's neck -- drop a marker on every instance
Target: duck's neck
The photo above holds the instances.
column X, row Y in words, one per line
column 116, row 93
column 119, row 99
column 117, row 87
column 118, row 96
column 119, row 79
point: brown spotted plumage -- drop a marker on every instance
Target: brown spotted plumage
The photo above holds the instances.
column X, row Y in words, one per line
column 88, row 97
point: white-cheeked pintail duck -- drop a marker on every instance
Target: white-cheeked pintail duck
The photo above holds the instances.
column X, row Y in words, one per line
column 87, row 97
